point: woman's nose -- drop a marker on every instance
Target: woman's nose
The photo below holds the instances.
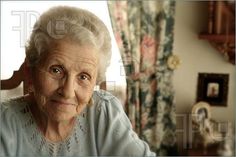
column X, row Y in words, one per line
column 67, row 88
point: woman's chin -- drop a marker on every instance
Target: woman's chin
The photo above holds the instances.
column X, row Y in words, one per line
column 62, row 115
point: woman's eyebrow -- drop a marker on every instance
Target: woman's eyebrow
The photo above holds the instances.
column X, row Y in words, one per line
column 89, row 64
column 52, row 58
column 88, row 69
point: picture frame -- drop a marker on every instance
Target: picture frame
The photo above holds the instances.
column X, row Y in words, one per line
column 200, row 111
column 213, row 88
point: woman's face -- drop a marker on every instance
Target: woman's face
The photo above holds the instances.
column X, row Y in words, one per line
column 64, row 80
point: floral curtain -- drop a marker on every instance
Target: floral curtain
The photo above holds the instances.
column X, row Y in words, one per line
column 144, row 34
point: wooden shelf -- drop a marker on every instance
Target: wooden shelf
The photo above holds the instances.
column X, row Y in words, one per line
column 212, row 150
column 221, row 28
column 218, row 37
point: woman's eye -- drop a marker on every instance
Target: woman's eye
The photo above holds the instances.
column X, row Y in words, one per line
column 57, row 71
column 84, row 77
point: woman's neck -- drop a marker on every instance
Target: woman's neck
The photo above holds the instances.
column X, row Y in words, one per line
column 56, row 131
column 52, row 130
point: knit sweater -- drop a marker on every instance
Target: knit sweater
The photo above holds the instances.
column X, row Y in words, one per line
column 102, row 129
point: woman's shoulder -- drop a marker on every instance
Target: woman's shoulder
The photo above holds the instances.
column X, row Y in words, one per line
column 107, row 107
column 106, row 100
column 12, row 115
column 12, row 107
column 103, row 95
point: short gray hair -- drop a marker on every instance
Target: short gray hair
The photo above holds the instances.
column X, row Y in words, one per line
column 77, row 25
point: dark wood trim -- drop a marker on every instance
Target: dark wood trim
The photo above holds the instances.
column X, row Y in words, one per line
column 15, row 80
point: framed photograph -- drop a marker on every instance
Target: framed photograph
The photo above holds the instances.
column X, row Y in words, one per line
column 200, row 111
column 213, row 88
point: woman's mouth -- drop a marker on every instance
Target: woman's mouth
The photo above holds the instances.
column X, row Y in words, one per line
column 64, row 103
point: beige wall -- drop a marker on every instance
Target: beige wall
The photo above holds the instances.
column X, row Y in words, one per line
column 197, row 56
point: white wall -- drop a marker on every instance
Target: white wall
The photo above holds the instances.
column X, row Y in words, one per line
column 197, row 56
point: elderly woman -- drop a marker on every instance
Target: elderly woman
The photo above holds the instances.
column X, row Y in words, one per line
column 67, row 55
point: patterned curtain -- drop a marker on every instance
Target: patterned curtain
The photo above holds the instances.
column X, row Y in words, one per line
column 144, row 34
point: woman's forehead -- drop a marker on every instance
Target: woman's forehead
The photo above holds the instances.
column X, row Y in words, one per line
column 74, row 52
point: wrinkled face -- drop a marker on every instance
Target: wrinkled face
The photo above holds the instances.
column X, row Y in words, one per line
column 64, row 80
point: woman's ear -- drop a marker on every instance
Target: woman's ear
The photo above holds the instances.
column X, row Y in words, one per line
column 27, row 72
column 28, row 75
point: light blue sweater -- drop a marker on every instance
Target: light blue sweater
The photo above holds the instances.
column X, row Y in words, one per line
column 101, row 130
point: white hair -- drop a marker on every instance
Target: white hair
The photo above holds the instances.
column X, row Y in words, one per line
column 72, row 23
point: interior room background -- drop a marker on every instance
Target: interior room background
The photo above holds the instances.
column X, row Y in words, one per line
column 197, row 56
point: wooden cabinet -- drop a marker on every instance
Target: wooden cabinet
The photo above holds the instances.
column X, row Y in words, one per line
column 211, row 150
column 221, row 28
